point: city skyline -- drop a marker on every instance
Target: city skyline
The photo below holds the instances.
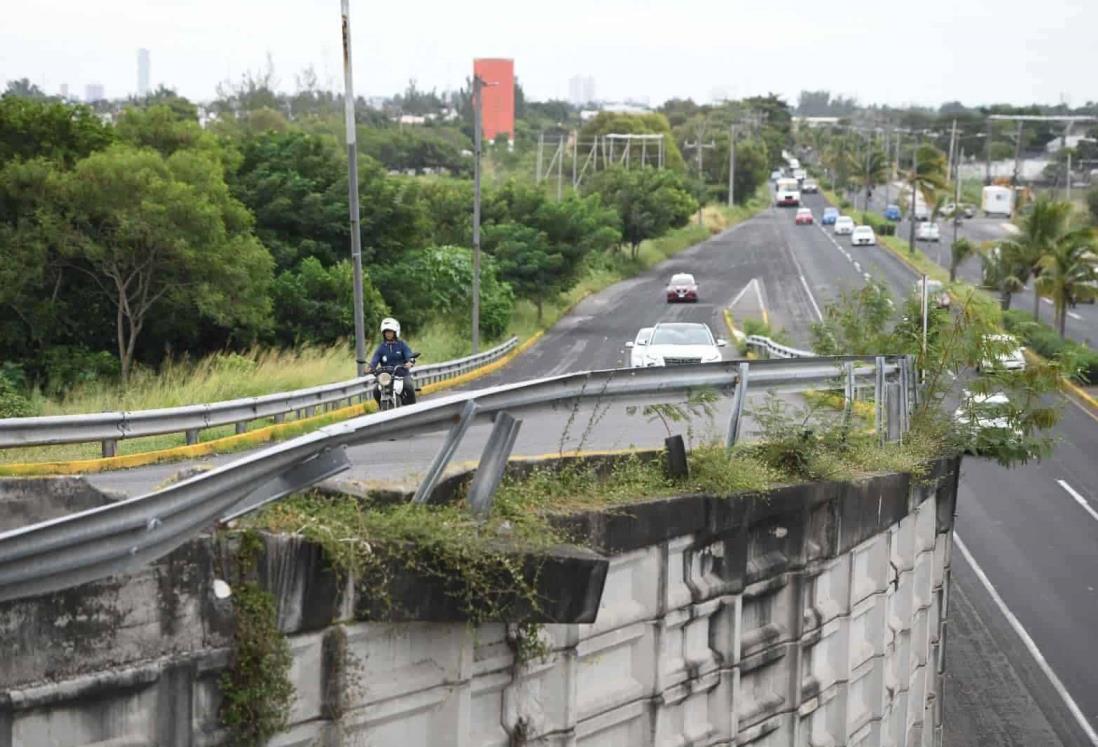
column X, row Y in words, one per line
column 1015, row 59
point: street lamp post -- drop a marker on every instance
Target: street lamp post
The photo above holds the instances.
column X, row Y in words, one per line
column 478, row 85
column 352, row 191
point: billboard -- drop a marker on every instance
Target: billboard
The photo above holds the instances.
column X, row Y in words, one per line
column 498, row 109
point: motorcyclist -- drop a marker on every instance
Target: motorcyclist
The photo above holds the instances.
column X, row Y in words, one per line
column 394, row 352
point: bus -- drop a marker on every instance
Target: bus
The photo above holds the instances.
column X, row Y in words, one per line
column 788, row 193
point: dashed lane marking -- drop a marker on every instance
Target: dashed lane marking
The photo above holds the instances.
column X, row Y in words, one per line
column 1078, row 498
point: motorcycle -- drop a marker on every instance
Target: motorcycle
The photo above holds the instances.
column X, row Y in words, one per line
column 390, row 385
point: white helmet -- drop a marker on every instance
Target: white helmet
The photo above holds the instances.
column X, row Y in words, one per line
column 390, row 323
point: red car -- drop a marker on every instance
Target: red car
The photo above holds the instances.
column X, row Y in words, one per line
column 804, row 217
column 682, row 287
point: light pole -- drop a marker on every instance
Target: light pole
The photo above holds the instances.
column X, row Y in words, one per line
column 352, row 191
column 478, row 85
column 731, row 164
column 914, row 189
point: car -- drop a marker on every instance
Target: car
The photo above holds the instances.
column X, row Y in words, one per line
column 921, row 213
column 682, row 287
column 950, row 208
column 830, row 215
column 986, row 418
column 863, row 236
column 800, row 174
column 928, row 232
column 844, row 224
column 794, row 163
column 1011, row 356
column 776, row 174
column 892, row 212
column 810, row 186
column 935, row 293
column 969, row 210
column 636, row 347
column 681, row 343
column 803, row 217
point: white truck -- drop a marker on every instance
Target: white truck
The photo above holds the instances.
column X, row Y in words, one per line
column 996, row 200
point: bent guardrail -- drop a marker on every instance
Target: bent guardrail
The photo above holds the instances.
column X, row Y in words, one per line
column 111, row 427
column 121, row 537
column 775, row 349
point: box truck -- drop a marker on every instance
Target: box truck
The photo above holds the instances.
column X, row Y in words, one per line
column 997, row 201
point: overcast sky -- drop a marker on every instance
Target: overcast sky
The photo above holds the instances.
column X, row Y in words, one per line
column 923, row 52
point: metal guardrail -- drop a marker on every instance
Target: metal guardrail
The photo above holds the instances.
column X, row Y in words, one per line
column 776, row 350
column 111, row 427
column 122, row 537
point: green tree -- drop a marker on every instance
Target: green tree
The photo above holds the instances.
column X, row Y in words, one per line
column 315, row 304
column 649, row 202
column 751, row 169
column 841, row 160
column 161, row 128
column 605, row 123
column 23, row 88
column 961, row 250
column 872, row 169
column 151, row 233
column 927, row 176
column 526, row 261
column 31, row 128
column 1043, row 227
column 1092, row 204
column 1004, row 272
column 1068, row 273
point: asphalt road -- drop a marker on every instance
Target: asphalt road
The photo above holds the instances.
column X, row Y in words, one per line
column 1035, row 541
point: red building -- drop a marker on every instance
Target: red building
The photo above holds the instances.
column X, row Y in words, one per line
column 498, row 108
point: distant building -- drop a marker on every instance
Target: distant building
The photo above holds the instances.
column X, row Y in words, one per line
column 65, row 91
column 581, row 90
column 411, row 119
column 498, row 105
column 142, row 72
column 94, row 92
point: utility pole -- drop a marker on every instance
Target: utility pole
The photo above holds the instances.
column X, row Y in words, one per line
column 1017, row 168
column 888, row 157
column 952, row 145
column 699, row 146
column 352, row 190
column 478, row 87
column 1067, row 182
column 732, row 165
column 957, row 194
column 914, row 191
column 987, row 155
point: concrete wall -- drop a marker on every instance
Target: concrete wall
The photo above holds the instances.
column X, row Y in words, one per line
column 813, row 615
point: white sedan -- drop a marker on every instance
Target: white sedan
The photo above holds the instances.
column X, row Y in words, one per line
column 1008, row 355
column 636, row 347
column 863, row 236
column 928, row 232
column 844, row 224
column 679, row 344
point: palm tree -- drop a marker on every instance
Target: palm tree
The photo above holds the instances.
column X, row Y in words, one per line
column 1004, row 273
column 961, row 250
column 1042, row 228
column 873, row 171
column 1068, row 273
column 927, row 176
column 840, row 159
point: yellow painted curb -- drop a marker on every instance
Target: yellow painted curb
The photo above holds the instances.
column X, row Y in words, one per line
column 242, row 440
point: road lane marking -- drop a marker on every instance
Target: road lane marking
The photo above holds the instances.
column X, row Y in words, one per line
column 1079, row 499
column 1075, row 316
column 1028, row 642
column 762, row 304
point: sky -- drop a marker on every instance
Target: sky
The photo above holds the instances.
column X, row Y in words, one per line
column 975, row 51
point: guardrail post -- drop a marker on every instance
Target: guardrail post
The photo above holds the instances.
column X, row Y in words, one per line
column 191, row 435
column 738, row 399
column 280, row 418
column 241, row 427
column 878, row 398
column 110, row 447
column 446, row 453
column 493, row 462
column 894, row 427
column 848, row 390
column 905, row 383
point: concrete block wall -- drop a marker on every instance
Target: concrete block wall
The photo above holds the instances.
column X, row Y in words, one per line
column 809, row 617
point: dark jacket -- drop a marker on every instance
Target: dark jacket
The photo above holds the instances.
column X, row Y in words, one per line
column 395, row 353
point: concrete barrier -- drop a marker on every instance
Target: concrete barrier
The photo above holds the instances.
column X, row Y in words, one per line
column 814, row 614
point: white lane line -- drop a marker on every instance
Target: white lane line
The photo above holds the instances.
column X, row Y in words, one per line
column 811, row 298
column 1046, row 300
column 1027, row 640
column 739, row 295
column 1079, row 499
column 1075, row 316
column 759, row 298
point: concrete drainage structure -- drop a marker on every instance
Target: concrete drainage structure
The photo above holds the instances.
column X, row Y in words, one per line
column 812, row 615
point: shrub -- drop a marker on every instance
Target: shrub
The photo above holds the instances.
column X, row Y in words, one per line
column 1045, row 342
column 69, row 366
column 13, row 403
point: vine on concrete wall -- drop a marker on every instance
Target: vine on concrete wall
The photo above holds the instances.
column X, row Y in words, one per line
column 256, row 690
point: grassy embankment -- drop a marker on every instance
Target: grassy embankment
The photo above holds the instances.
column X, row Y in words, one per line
column 263, row 371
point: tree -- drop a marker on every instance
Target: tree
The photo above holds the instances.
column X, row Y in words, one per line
column 526, row 261
column 751, row 169
column 315, row 304
column 23, row 88
column 1042, row 228
column 151, row 232
column 161, row 128
column 1068, row 273
column 1092, row 204
column 927, row 175
column 31, row 128
column 961, row 250
column 649, row 202
column 841, row 159
column 873, row 167
column 652, row 123
column 1004, row 272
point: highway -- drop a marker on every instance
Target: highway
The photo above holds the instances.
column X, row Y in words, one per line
column 1032, row 531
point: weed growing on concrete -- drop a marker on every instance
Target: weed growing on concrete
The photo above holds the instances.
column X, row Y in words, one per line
column 256, row 690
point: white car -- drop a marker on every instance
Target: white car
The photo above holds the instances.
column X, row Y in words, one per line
column 928, row 232
column 680, row 344
column 844, row 224
column 1012, row 357
column 636, row 347
column 863, row 236
column 980, row 413
column 935, row 292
